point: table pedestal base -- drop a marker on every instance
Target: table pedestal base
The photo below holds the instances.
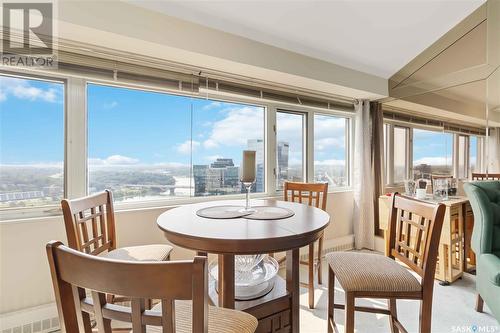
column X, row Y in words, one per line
column 277, row 311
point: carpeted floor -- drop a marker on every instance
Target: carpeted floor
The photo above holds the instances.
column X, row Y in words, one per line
column 453, row 311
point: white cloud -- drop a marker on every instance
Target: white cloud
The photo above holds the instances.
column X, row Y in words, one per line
column 185, row 147
column 22, row 89
column 213, row 105
column 113, row 160
column 330, row 162
column 433, row 161
column 42, row 165
column 213, row 157
column 327, row 143
column 110, row 105
column 208, row 144
column 329, row 133
column 239, row 125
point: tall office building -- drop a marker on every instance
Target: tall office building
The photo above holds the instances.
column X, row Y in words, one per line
column 200, row 179
column 282, row 151
column 221, row 177
column 258, row 146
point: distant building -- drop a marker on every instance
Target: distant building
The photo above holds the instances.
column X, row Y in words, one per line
column 222, row 163
column 422, row 171
column 221, row 177
column 282, row 156
column 258, row 146
column 200, row 179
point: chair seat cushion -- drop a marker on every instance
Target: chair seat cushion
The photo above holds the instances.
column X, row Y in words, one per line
column 155, row 252
column 358, row 271
column 220, row 320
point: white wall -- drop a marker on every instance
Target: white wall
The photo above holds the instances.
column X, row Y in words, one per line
column 140, row 31
column 24, row 273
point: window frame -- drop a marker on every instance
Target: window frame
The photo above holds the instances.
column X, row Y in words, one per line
column 305, row 146
column 349, row 148
column 389, row 157
column 51, row 209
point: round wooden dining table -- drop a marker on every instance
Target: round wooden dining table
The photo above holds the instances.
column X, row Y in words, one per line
column 279, row 309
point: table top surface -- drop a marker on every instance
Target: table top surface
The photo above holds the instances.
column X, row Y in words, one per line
column 452, row 200
column 184, row 228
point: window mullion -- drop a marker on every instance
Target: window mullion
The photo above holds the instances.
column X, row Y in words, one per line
column 76, row 138
column 270, row 149
column 309, row 147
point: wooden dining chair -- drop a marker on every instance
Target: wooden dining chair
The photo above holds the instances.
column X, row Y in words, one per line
column 485, row 176
column 182, row 287
column 90, row 228
column 414, row 233
column 312, row 194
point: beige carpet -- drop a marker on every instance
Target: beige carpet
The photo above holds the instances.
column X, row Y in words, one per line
column 453, row 311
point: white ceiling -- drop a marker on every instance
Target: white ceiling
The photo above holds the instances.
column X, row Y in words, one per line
column 373, row 36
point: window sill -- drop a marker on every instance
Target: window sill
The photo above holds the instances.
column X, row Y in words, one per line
column 48, row 212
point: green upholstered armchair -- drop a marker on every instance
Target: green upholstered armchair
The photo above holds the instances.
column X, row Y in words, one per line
column 484, row 197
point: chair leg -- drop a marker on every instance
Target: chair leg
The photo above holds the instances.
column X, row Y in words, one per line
column 320, row 264
column 479, row 303
column 331, row 297
column 310, row 282
column 394, row 315
column 426, row 315
column 349, row 312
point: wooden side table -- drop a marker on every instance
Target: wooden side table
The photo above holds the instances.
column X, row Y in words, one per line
column 278, row 311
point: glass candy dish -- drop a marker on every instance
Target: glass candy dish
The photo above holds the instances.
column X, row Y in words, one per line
column 254, row 275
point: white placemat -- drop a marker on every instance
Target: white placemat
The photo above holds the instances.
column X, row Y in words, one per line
column 233, row 212
column 270, row 213
column 221, row 212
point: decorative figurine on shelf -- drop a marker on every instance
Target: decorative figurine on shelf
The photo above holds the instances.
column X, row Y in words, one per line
column 248, row 167
column 440, row 188
column 410, row 186
column 421, row 190
column 452, row 187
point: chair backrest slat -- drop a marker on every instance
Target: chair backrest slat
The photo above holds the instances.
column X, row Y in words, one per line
column 96, row 210
column 315, row 193
column 103, row 323
column 485, row 176
column 414, row 231
column 74, row 272
column 168, row 313
column 138, row 308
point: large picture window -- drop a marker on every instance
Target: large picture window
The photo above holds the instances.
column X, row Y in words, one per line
column 147, row 145
column 330, row 150
column 290, row 152
column 432, row 153
column 473, row 160
column 31, row 142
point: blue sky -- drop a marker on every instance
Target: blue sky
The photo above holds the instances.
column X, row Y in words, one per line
column 31, row 122
column 431, row 147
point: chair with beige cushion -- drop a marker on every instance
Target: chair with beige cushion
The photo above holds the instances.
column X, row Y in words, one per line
column 182, row 287
column 90, row 228
column 414, row 233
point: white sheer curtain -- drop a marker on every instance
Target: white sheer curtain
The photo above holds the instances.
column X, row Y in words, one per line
column 363, row 182
column 494, row 151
